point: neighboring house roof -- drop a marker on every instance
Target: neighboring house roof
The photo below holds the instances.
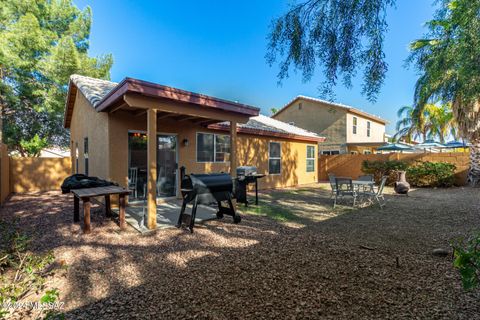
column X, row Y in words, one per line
column 103, row 95
column 100, row 93
column 263, row 125
column 334, row 104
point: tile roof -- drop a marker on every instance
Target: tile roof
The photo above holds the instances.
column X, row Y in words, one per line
column 265, row 123
column 93, row 89
column 269, row 125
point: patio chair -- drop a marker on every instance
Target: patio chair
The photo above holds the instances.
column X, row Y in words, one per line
column 378, row 194
column 344, row 187
column 333, row 185
column 366, row 177
column 132, row 180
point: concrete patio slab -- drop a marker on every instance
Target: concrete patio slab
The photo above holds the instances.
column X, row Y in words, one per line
column 167, row 214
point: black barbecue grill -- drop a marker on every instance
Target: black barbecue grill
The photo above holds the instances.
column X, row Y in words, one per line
column 245, row 176
column 206, row 189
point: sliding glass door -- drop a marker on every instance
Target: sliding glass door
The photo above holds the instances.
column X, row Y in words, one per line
column 166, row 185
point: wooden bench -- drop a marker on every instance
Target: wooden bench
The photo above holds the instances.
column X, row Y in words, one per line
column 87, row 193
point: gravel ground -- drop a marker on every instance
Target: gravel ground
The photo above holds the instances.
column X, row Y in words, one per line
column 309, row 261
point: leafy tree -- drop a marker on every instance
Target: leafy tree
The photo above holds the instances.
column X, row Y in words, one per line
column 443, row 122
column 447, row 59
column 273, row 110
column 435, row 121
column 338, row 36
column 411, row 127
column 42, row 42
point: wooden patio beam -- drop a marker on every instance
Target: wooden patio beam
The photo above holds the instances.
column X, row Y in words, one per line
column 152, row 168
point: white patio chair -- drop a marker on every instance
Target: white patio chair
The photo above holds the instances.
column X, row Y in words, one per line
column 344, row 187
column 378, row 194
column 132, row 180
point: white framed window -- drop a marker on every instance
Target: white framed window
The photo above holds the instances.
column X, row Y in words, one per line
column 213, row 147
column 354, row 127
column 274, row 158
column 310, row 158
column 76, row 157
column 85, row 154
column 368, row 128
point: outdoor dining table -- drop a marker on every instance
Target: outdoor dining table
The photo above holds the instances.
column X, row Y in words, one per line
column 87, row 193
column 363, row 183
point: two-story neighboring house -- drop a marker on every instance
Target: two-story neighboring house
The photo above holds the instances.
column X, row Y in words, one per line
column 347, row 129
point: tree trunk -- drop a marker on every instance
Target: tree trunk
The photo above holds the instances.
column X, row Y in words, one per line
column 474, row 172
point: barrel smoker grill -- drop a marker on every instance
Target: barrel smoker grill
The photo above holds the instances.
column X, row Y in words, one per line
column 206, row 189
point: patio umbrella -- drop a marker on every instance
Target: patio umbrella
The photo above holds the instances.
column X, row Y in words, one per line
column 456, row 144
column 429, row 144
column 395, row 147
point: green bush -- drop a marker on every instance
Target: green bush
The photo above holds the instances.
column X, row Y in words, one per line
column 419, row 174
column 431, row 174
column 467, row 261
column 384, row 168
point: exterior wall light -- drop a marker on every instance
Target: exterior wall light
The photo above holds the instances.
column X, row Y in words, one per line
column 185, row 142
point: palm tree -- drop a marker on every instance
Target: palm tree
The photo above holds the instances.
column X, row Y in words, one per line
column 413, row 125
column 443, row 122
column 448, row 62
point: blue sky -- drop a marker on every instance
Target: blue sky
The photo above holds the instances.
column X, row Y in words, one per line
column 218, row 47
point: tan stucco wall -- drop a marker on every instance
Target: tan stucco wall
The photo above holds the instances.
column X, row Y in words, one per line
column 252, row 150
column 38, row 174
column 377, row 130
column 332, row 122
column 86, row 122
column 319, row 118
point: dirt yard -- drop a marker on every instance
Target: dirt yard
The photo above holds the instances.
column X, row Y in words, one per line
column 294, row 257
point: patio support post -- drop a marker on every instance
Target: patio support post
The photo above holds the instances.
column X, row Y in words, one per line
column 152, row 168
column 233, row 148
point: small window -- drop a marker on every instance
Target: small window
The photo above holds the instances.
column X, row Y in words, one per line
column 353, row 152
column 76, row 157
column 368, row 128
column 291, row 123
column 300, row 106
column 213, row 147
column 367, row 152
column 274, row 158
column 310, row 159
column 354, row 125
column 330, row 152
column 85, row 154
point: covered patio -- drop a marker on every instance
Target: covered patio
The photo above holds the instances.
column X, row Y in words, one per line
column 166, row 122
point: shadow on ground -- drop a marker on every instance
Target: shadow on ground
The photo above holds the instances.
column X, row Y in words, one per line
column 308, row 263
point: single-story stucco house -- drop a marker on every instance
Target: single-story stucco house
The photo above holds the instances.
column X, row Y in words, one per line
column 143, row 132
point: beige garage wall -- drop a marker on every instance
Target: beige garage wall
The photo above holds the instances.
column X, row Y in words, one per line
column 38, row 174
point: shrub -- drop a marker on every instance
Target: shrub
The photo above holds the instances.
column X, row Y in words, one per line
column 431, row 174
column 467, row 261
column 384, row 168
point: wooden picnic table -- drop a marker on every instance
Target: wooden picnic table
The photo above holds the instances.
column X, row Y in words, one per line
column 87, row 193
